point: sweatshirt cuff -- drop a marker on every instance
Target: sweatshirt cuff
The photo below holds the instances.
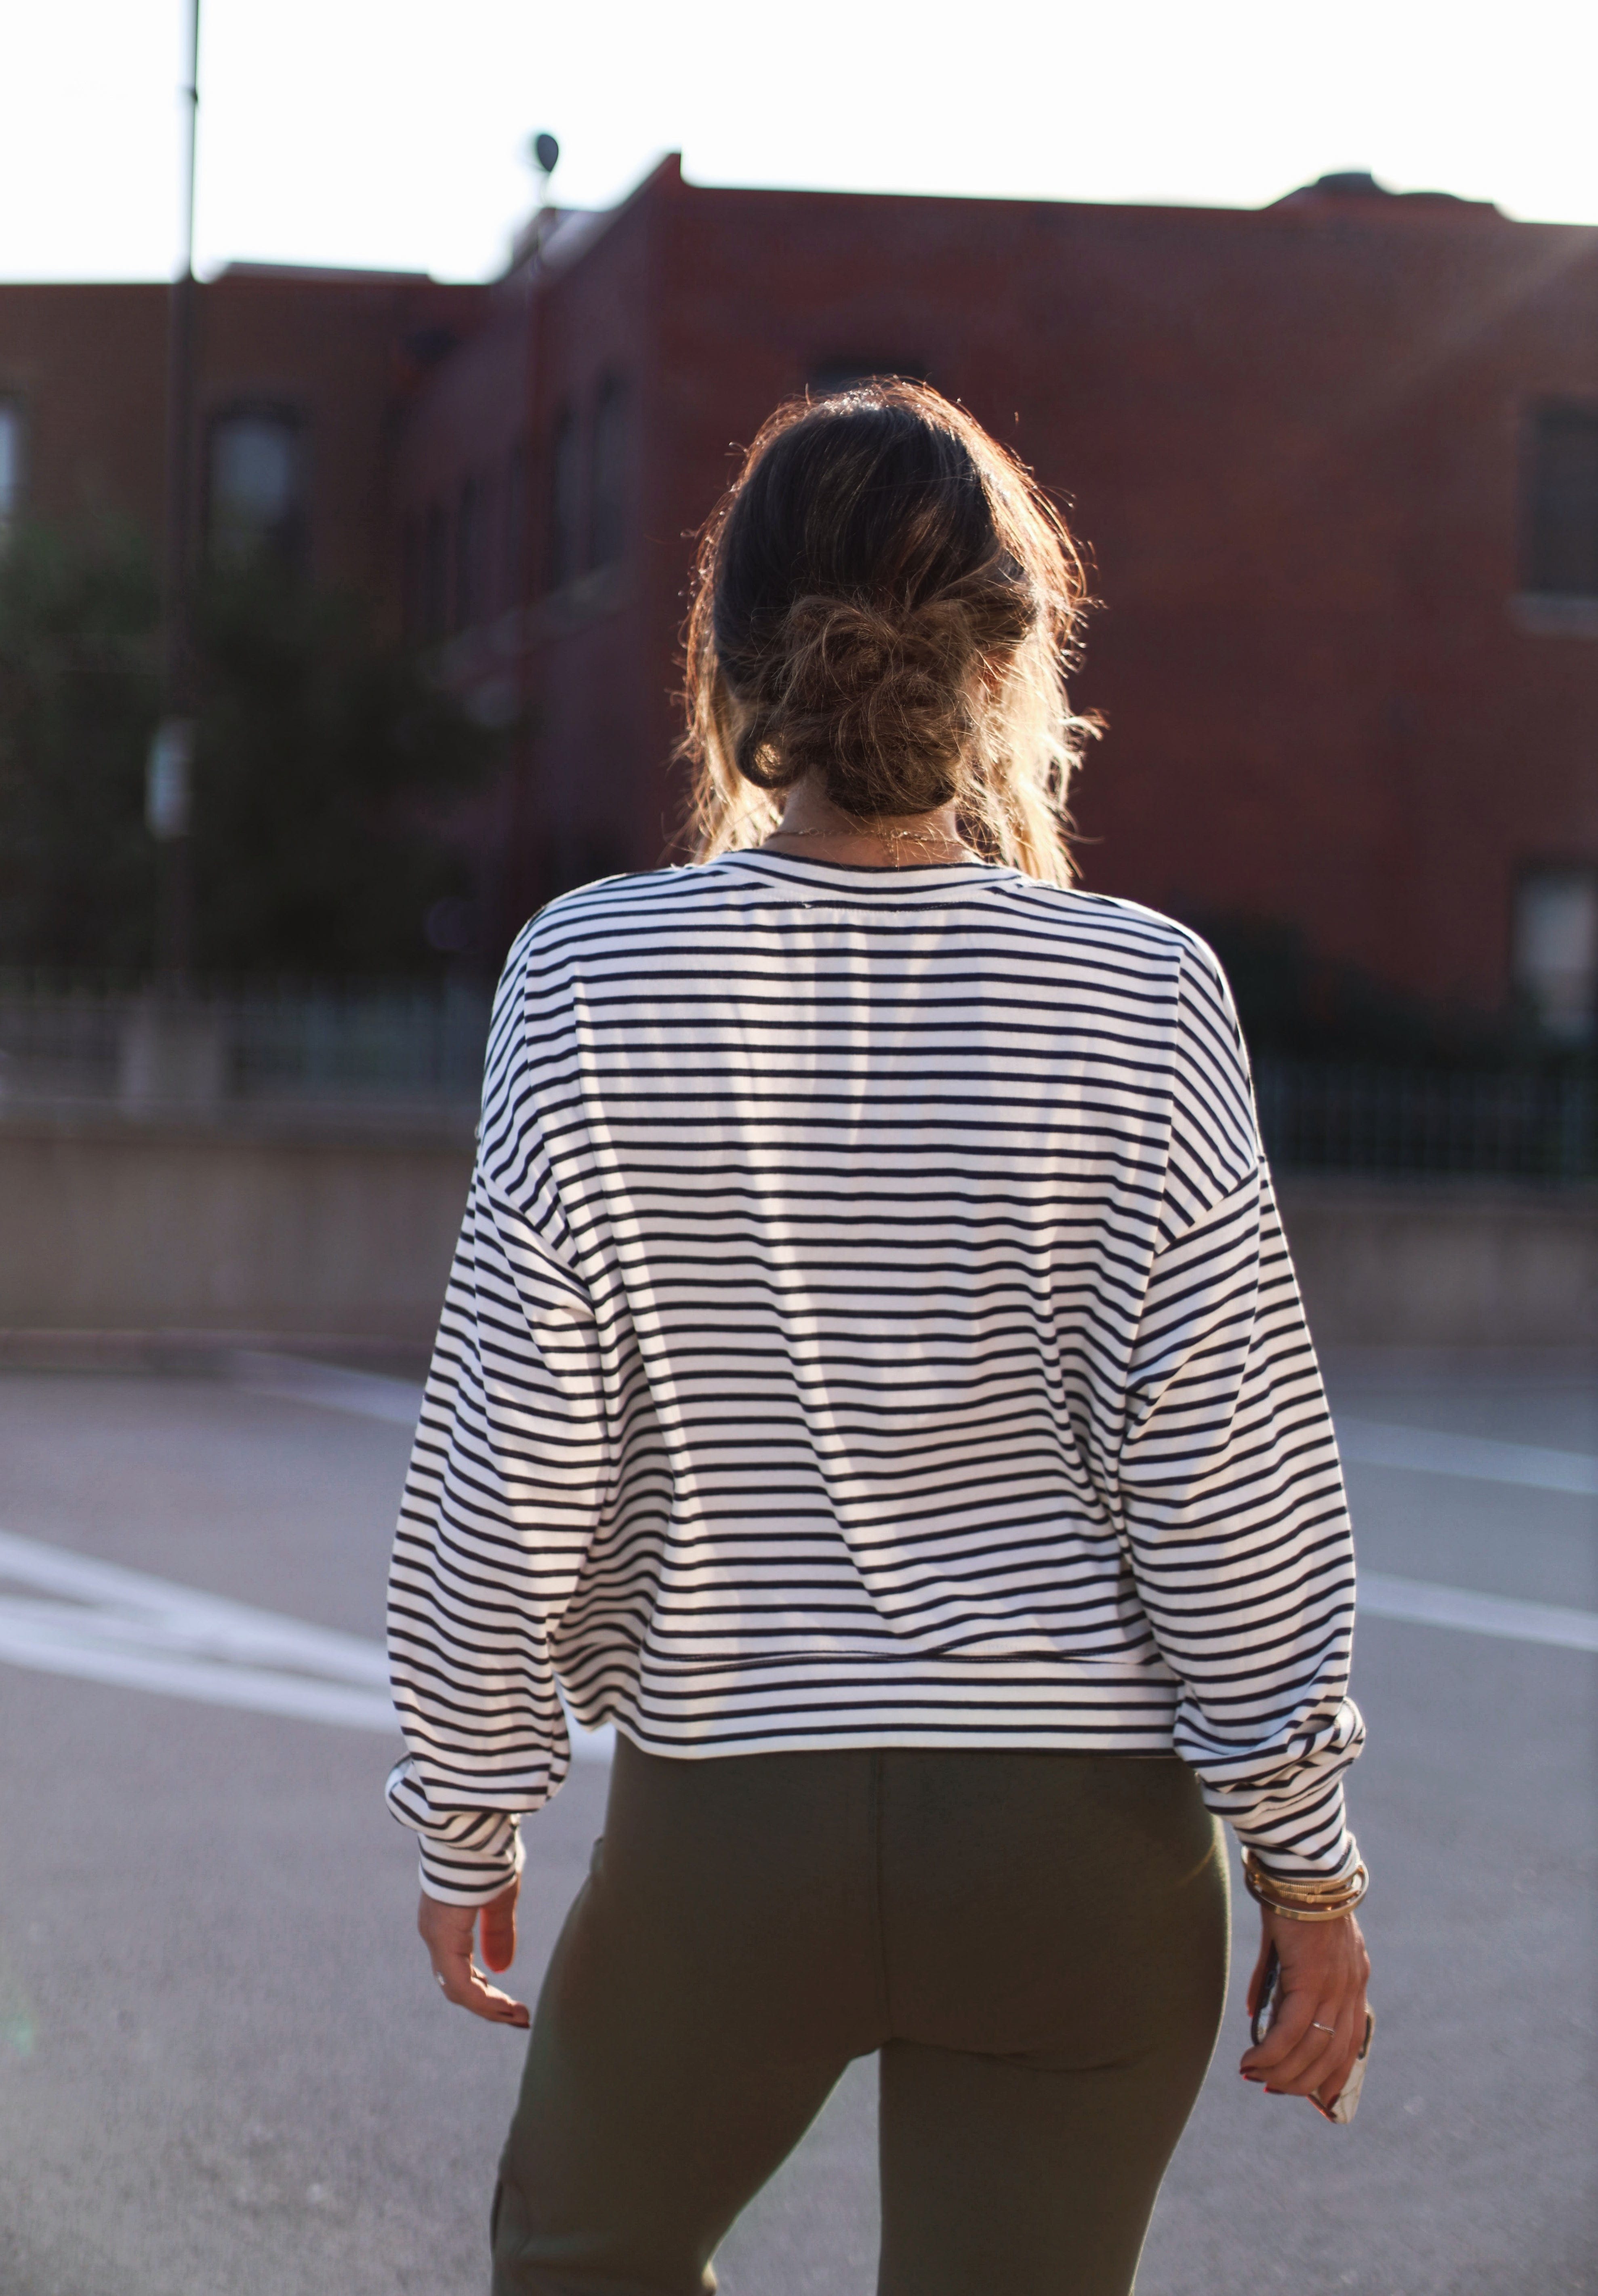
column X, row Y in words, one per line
column 468, row 1856
column 1312, row 1844
column 474, row 1869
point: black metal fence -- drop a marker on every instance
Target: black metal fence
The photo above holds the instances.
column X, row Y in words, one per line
column 66, row 1045
column 1535, row 1125
column 78, row 1045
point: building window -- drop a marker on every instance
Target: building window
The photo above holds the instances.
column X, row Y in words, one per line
column 608, row 474
column 470, row 555
column 11, row 462
column 565, row 502
column 1561, row 503
column 435, row 575
column 513, row 553
column 1555, row 952
column 410, row 581
column 255, row 495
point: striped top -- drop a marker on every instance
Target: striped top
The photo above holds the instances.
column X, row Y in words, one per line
column 871, row 1326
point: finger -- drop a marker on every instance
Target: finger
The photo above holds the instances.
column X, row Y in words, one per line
column 446, row 1932
column 485, row 2000
column 452, row 1970
column 1316, row 2051
column 1295, row 2013
column 1257, row 1979
column 467, row 1989
column 1320, row 2076
column 499, row 1929
column 1327, row 2091
column 1319, row 2059
column 1301, row 2037
column 445, row 1928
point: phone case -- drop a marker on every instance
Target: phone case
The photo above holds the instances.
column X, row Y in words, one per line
column 1347, row 2098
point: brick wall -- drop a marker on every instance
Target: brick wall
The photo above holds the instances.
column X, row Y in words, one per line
column 1292, row 441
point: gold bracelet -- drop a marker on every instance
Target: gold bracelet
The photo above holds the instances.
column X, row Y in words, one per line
column 1266, row 1893
column 1332, row 1910
column 1314, row 1885
column 1352, row 1885
column 1346, row 1888
column 1306, row 1901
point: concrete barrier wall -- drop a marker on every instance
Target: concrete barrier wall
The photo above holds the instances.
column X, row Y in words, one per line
column 1440, row 1263
column 345, row 1232
column 122, row 1226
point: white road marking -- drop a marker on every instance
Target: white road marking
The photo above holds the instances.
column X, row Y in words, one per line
column 114, row 1599
column 1418, row 1602
column 130, row 1627
column 58, row 1646
column 145, row 1633
column 1478, row 1458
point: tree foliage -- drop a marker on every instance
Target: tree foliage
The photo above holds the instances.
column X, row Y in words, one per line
column 326, row 771
column 79, row 700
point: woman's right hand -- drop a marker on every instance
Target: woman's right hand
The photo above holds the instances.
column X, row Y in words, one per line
column 448, row 1933
column 1319, row 2027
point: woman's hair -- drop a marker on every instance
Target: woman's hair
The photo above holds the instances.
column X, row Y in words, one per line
column 885, row 599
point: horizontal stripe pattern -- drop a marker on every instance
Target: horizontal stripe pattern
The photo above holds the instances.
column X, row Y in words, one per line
column 871, row 1326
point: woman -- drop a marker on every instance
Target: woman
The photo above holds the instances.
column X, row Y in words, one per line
column 872, row 1376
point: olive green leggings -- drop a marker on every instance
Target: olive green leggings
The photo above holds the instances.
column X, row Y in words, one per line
column 1034, row 1943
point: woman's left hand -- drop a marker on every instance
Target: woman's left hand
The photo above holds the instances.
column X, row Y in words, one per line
column 446, row 1932
column 1318, row 2030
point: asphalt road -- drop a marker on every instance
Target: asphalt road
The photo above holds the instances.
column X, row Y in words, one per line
column 223, row 2067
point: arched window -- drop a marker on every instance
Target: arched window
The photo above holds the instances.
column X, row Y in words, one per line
column 435, row 574
column 11, row 462
column 255, row 487
column 608, row 471
column 563, row 559
column 514, row 538
column 471, row 554
column 1561, row 503
column 1555, row 949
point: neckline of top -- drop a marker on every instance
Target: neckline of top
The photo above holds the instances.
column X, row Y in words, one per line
column 887, row 872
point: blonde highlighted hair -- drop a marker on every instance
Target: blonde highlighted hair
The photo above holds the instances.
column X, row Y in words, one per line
column 885, row 599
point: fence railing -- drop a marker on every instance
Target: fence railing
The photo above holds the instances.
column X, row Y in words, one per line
column 1487, row 1124
column 254, row 1046
column 378, row 1048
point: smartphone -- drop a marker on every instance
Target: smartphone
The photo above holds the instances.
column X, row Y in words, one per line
column 1346, row 2104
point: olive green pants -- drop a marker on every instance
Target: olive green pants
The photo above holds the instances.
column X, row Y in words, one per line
column 1035, row 1943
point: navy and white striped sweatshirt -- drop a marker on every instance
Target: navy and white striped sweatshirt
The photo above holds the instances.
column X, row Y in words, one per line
column 871, row 1326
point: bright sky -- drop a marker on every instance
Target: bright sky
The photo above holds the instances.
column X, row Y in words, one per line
column 391, row 133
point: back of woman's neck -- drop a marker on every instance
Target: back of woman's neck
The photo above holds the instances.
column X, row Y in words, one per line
column 818, row 829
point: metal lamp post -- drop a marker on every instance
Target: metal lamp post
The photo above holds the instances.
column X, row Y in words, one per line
column 543, row 154
column 172, row 1053
column 168, row 780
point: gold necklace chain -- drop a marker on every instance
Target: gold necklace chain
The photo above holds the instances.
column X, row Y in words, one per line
column 894, row 838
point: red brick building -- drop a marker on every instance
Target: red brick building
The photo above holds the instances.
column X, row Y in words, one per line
column 1336, row 463
column 302, row 375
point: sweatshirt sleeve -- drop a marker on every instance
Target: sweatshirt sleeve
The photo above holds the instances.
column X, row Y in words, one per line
column 1231, row 1493
column 507, row 1477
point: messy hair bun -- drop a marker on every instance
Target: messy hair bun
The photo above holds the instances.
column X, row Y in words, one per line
column 884, row 601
